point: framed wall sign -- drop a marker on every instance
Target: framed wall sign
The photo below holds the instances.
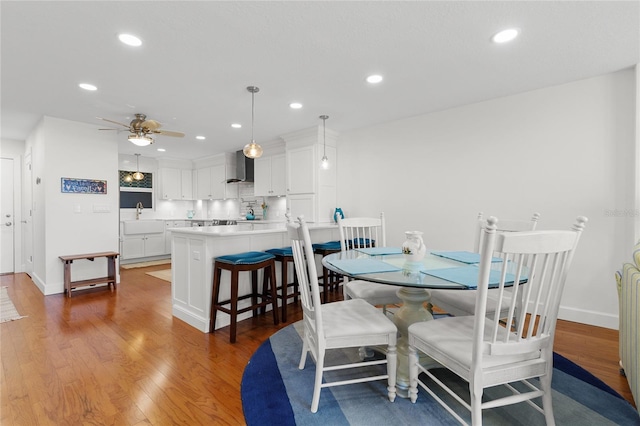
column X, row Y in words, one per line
column 83, row 186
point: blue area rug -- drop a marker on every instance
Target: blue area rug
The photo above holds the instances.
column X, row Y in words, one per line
column 275, row 392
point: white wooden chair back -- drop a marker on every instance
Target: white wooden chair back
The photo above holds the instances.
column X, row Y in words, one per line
column 541, row 259
column 307, row 274
column 503, row 226
column 362, row 232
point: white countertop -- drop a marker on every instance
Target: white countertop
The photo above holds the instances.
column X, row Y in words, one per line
column 229, row 230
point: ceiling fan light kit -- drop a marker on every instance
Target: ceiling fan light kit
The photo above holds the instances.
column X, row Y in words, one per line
column 140, row 140
column 140, row 130
column 252, row 149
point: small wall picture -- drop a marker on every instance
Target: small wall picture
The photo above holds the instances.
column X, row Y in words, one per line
column 84, row 186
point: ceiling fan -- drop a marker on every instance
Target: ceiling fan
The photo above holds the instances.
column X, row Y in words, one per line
column 141, row 129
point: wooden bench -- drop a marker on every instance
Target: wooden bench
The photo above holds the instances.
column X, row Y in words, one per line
column 110, row 279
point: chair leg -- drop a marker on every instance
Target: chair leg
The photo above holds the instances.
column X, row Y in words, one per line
column 305, row 349
column 547, row 404
column 392, row 365
column 234, row 306
column 325, row 284
column 317, row 386
column 413, row 374
column 270, row 273
column 476, row 391
column 254, row 293
column 285, row 289
column 214, row 298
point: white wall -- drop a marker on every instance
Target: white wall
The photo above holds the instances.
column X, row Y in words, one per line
column 66, row 223
column 562, row 151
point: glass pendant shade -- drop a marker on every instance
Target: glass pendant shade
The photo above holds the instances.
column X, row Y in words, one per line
column 128, row 178
column 324, row 163
column 252, row 150
column 137, row 175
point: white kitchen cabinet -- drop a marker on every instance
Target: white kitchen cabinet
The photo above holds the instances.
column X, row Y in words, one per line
column 270, row 176
column 301, row 170
column 311, row 190
column 176, row 184
column 142, row 245
column 186, row 184
column 211, row 184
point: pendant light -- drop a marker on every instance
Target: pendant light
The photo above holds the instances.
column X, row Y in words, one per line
column 137, row 175
column 252, row 149
column 324, row 163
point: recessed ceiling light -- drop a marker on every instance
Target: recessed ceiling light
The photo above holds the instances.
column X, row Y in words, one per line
column 87, row 86
column 295, row 105
column 374, row 79
column 236, row 125
column 505, row 36
column 200, row 138
column 161, row 149
column 130, row 40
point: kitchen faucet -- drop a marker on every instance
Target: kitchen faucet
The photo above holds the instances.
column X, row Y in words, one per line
column 139, row 208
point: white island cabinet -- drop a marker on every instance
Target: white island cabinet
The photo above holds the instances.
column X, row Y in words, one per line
column 192, row 254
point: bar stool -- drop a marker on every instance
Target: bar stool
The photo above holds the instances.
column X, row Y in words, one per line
column 249, row 261
column 329, row 278
column 284, row 256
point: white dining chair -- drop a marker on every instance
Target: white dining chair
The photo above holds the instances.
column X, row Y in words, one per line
column 483, row 351
column 366, row 232
column 458, row 303
column 345, row 324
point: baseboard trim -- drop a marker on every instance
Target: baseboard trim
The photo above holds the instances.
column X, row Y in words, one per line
column 584, row 316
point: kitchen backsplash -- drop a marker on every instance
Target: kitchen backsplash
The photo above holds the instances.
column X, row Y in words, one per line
column 216, row 209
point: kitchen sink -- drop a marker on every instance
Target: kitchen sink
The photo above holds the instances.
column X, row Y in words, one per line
column 132, row 227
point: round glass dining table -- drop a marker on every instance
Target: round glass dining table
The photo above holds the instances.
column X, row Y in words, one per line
column 388, row 266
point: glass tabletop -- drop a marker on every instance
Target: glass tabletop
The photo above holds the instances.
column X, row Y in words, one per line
column 378, row 266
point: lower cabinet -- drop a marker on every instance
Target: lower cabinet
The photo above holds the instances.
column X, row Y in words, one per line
column 143, row 245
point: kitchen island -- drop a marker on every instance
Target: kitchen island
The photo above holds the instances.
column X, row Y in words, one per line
column 192, row 254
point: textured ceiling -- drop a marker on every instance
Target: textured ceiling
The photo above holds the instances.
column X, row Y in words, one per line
column 198, row 57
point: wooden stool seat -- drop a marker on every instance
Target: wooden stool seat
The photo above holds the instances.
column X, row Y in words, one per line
column 284, row 255
column 251, row 261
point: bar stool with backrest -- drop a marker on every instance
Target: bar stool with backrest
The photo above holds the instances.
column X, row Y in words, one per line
column 252, row 261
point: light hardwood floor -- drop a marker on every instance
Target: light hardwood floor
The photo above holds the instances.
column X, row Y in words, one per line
column 120, row 358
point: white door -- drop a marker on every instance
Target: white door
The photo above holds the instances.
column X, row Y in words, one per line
column 27, row 217
column 7, row 224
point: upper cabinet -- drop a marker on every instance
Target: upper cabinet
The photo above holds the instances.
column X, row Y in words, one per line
column 210, row 181
column 176, row 184
column 176, row 180
column 301, row 173
column 270, row 177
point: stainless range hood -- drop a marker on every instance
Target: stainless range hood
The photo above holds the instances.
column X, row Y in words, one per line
column 244, row 169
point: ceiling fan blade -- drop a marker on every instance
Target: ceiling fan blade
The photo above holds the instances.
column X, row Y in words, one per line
column 151, row 125
column 114, row 122
column 110, row 129
column 169, row 133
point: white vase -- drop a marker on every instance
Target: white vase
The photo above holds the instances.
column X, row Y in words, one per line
column 413, row 248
